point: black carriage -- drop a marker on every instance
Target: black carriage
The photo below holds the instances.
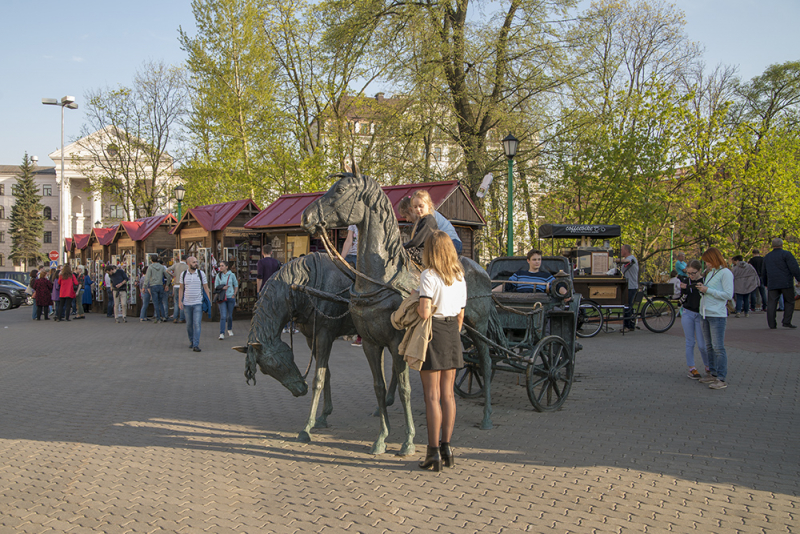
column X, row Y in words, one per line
column 536, row 337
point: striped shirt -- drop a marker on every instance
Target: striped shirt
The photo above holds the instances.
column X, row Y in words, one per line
column 193, row 287
column 524, row 275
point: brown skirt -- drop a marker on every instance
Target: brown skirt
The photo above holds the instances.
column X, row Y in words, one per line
column 444, row 350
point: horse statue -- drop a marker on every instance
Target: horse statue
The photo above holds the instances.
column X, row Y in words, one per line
column 312, row 291
column 385, row 275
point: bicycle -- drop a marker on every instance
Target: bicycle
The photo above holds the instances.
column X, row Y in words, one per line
column 657, row 313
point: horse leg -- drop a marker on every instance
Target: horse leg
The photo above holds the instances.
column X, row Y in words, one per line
column 319, row 383
column 486, row 367
column 392, row 389
column 374, row 354
column 327, row 407
column 402, row 378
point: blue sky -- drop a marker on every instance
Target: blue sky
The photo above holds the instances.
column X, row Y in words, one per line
column 50, row 53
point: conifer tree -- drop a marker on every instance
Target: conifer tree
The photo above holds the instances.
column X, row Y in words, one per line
column 27, row 225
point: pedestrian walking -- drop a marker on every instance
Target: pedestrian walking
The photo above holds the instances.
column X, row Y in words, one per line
column 193, row 283
column 691, row 320
column 119, row 285
column 266, row 266
column 226, row 290
column 780, row 266
column 43, row 295
column 79, row 313
column 176, row 271
column 745, row 282
column 717, row 290
column 67, row 283
column 442, row 297
column 154, row 283
column 109, row 291
column 758, row 299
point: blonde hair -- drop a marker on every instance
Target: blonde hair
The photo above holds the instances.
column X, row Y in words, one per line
column 440, row 256
column 424, row 196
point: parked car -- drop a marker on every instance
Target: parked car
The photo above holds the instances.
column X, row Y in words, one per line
column 12, row 294
column 19, row 276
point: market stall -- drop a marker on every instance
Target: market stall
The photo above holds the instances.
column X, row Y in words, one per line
column 279, row 223
column 100, row 247
column 592, row 260
column 217, row 232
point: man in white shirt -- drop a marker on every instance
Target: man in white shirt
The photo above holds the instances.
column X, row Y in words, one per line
column 193, row 283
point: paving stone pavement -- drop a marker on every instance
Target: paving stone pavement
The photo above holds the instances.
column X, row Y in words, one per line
column 121, row 428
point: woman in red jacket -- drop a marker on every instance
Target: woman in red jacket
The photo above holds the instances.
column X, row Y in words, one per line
column 66, row 292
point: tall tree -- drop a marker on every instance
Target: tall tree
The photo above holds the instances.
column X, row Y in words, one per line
column 27, row 223
column 236, row 131
column 126, row 139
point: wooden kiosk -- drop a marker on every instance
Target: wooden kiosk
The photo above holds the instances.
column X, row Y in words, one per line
column 100, row 247
column 279, row 223
column 217, row 232
column 591, row 264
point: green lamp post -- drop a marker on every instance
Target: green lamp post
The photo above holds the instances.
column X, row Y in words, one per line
column 510, row 145
column 180, row 192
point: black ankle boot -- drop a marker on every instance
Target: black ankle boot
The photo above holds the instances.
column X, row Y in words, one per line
column 447, row 455
column 432, row 460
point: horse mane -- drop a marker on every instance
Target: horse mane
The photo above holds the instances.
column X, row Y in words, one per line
column 374, row 197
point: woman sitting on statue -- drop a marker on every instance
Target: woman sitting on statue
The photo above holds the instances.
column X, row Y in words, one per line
column 424, row 224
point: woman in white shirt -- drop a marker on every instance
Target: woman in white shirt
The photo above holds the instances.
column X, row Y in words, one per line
column 443, row 296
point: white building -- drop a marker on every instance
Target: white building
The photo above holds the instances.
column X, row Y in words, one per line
column 82, row 208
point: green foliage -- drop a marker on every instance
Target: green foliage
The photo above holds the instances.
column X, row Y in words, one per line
column 27, row 223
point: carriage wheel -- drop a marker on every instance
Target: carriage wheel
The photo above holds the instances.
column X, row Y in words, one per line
column 549, row 375
column 469, row 380
column 658, row 315
column 590, row 319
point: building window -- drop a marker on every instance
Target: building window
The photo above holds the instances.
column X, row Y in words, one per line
column 437, row 154
column 48, row 237
column 47, row 190
column 2, row 189
column 2, row 212
column 115, row 211
column 48, row 213
column 2, row 237
column 2, row 261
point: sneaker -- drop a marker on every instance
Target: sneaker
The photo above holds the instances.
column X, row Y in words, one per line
column 737, row 315
column 746, row 314
column 230, row 333
column 296, row 331
column 176, row 321
column 196, row 349
column 222, row 336
column 694, row 375
column 285, row 330
column 718, row 384
column 708, row 379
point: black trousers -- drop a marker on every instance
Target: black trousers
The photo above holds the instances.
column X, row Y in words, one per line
column 63, row 308
column 42, row 310
column 629, row 312
column 788, row 305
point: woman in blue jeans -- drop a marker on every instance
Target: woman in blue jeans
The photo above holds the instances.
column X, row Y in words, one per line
column 226, row 280
column 691, row 320
column 717, row 290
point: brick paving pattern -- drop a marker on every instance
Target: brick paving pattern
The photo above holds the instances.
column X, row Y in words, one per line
column 121, row 428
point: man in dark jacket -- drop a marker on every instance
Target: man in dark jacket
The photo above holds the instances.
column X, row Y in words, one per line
column 757, row 261
column 779, row 269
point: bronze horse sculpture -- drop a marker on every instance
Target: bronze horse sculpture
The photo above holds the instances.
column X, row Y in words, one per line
column 384, row 277
column 292, row 293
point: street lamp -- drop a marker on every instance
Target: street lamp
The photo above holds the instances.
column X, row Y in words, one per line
column 98, row 224
column 180, row 192
column 66, row 102
column 510, row 144
column 671, row 240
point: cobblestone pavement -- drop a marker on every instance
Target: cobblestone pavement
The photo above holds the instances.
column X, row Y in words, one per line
column 121, row 428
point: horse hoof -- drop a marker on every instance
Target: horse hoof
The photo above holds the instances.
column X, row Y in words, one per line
column 321, row 423
column 486, row 425
column 407, row 450
column 378, row 448
column 304, row 437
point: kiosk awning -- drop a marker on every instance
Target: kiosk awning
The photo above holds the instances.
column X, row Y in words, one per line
column 555, row 231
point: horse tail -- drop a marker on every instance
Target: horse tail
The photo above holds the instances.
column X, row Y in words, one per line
column 494, row 329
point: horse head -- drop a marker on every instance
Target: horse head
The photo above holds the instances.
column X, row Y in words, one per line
column 276, row 360
column 345, row 203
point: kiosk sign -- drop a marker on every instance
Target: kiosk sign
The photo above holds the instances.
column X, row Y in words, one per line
column 53, row 255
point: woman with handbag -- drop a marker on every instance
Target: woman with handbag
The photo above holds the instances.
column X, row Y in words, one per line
column 717, row 290
column 66, row 292
column 225, row 291
column 442, row 297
